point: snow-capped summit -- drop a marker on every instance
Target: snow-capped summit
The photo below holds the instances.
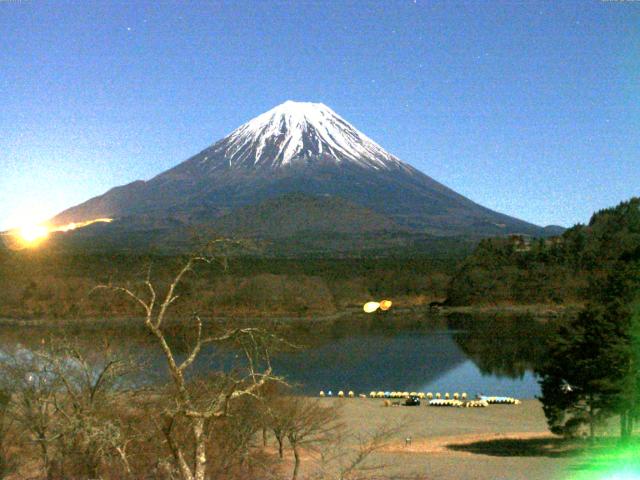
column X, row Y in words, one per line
column 296, row 132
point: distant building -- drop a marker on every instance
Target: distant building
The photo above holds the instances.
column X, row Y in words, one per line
column 549, row 242
column 520, row 243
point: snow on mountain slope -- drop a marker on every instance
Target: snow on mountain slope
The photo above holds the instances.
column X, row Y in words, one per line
column 295, row 132
column 298, row 148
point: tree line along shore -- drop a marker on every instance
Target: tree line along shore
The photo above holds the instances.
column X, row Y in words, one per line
column 500, row 273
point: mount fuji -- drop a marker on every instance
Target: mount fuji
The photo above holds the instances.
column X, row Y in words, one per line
column 297, row 169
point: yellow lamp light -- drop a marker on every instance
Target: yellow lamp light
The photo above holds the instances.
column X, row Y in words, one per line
column 371, row 307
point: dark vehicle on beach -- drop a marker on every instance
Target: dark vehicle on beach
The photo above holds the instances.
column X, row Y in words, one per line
column 412, row 401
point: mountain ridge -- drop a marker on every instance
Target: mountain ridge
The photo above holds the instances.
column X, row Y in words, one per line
column 300, row 148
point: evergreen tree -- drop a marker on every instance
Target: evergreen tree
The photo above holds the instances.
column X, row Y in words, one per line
column 579, row 380
column 593, row 365
column 622, row 297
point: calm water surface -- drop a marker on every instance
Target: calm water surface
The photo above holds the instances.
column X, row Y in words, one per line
column 489, row 355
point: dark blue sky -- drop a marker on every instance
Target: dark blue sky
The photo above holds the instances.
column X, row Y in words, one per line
column 529, row 108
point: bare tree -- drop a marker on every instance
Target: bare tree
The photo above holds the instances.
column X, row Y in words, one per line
column 7, row 460
column 311, row 426
column 33, row 388
column 65, row 402
column 188, row 404
column 315, row 429
column 236, row 439
column 276, row 414
column 348, row 457
column 90, row 391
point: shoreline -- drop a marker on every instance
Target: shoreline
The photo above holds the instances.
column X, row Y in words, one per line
column 539, row 311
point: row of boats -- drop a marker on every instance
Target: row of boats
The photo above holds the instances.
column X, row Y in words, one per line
column 437, row 400
column 481, row 401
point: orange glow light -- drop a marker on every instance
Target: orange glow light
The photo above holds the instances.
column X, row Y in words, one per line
column 385, row 305
column 32, row 235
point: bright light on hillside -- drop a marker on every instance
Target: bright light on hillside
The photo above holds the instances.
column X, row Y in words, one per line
column 33, row 234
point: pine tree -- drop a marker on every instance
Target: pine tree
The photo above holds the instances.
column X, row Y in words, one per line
column 579, row 379
column 593, row 367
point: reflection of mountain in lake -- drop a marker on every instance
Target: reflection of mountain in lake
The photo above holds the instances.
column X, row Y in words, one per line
column 475, row 355
column 362, row 363
column 467, row 377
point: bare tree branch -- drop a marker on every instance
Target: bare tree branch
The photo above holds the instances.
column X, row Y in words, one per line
column 189, row 406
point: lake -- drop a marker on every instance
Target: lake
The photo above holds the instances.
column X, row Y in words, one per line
column 461, row 353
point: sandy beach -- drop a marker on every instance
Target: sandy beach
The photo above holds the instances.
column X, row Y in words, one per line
column 498, row 442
